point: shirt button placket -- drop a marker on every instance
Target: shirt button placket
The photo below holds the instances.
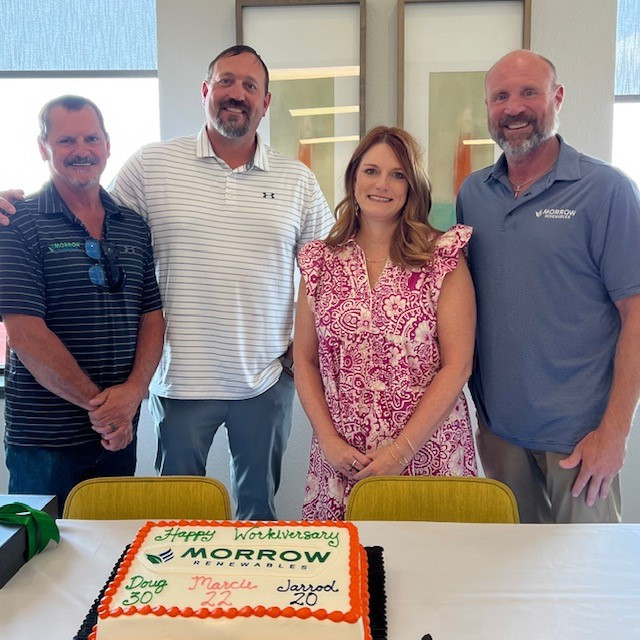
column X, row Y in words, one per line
column 230, row 190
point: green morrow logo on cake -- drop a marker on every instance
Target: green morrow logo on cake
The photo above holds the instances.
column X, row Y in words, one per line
column 165, row 556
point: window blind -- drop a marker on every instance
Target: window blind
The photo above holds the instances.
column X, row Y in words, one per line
column 628, row 48
column 78, row 35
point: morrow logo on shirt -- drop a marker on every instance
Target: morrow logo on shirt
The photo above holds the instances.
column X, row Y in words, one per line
column 557, row 214
column 58, row 247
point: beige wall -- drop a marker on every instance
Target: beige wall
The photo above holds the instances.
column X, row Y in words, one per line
column 578, row 35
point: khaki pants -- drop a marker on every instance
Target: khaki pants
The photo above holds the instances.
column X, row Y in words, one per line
column 542, row 489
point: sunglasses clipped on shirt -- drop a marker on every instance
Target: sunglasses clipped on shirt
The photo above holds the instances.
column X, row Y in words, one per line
column 106, row 273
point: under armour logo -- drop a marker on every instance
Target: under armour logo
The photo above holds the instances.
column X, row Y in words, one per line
column 266, row 194
column 127, row 248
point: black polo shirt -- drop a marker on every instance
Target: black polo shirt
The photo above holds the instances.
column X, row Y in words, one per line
column 44, row 272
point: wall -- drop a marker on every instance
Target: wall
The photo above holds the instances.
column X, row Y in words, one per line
column 578, row 35
column 192, row 32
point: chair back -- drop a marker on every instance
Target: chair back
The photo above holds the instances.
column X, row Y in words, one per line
column 148, row 498
column 432, row 498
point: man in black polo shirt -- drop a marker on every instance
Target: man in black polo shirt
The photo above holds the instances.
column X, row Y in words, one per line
column 81, row 306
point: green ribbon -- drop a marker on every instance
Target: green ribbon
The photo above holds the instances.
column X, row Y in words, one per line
column 40, row 526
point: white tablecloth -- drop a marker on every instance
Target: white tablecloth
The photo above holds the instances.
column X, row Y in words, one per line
column 454, row 581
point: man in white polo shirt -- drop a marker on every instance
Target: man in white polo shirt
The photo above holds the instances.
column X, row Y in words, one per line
column 228, row 216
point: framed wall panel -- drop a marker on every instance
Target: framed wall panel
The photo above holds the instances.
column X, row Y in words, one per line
column 315, row 52
column 445, row 47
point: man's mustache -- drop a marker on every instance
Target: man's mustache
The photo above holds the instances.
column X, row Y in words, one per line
column 507, row 120
column 236, row 104
column 91, row 160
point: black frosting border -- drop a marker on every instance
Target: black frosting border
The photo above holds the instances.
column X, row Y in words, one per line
column 91, row 619
column 377, row 593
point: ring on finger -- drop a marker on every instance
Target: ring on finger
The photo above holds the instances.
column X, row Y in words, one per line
column 112, row 427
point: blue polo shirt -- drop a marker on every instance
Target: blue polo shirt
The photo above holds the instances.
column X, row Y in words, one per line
column 44, row 272
column 547, row 269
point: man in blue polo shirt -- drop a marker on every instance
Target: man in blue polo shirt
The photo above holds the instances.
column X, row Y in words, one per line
column 81, row 305
column 556, row 266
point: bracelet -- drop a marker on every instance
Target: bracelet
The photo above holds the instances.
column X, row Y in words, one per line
column 409, row 443
column 406, row 462
column 393, row 455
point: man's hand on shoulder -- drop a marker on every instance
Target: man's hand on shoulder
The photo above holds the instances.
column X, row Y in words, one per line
column 600, row 455
column 113, row 412
column 7, row 198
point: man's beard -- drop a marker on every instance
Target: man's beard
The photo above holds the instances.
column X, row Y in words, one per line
column 233, row 129
column 516, row 148
column 83, row 183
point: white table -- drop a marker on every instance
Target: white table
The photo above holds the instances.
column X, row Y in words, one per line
column 454, row 581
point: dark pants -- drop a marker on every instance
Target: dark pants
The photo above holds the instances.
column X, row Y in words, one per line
column 55, row 471
column 258, row 429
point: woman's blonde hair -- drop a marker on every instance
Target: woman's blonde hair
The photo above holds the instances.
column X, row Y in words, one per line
column 413, row 240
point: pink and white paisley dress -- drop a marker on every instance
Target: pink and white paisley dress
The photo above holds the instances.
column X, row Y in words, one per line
column 378, row 352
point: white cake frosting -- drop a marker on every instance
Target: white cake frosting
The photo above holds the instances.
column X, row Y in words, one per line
column 237, row 580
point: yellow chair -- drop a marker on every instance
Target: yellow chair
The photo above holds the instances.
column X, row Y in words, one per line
column 137, row 498
column 432, row 498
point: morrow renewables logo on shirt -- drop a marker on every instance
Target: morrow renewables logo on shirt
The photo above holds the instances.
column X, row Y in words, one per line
column 58, row 247
column 556, row 214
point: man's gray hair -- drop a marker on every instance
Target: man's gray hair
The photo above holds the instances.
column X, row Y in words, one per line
column 70, row 103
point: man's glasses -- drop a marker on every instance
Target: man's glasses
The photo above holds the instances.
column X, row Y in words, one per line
column 107, row 273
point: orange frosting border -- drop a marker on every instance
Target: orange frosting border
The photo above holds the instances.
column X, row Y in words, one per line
column 358, row 592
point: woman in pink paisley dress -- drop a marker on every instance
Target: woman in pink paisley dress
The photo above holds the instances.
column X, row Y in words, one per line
column 384, row 332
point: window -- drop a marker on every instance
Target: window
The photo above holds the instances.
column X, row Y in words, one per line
column 129, row 107
column 626, row 113
column 104, row 50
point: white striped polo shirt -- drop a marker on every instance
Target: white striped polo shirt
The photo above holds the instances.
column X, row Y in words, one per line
column 225, row 243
